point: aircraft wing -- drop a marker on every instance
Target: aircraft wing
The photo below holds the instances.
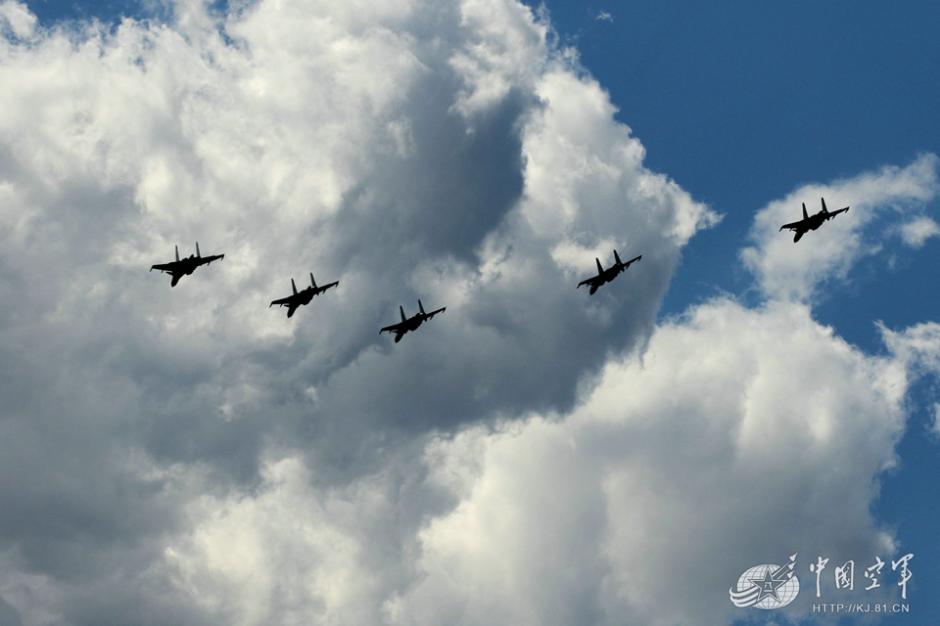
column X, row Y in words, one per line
column 433, row 313
column 286, row 301
column 206, row 260
column 792, row 225
column 588, row 281
column 632, row 261
column 834, row 213
column 394, row 328
column 164, row 267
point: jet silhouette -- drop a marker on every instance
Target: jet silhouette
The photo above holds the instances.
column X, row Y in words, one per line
column 605, row 276
column 409, row 324
column 184, row 267
column 300, row 298
column 811, row 222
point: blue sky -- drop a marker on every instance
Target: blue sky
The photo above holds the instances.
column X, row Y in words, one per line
column 742, row 102
column 56, row 10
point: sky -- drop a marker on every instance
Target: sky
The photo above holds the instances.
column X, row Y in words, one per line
column 534, row 455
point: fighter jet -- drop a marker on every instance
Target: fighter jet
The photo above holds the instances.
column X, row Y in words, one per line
column 184, row 267
column 605, row 276
column 408, row 324
column 811, row 222
column 300, row 298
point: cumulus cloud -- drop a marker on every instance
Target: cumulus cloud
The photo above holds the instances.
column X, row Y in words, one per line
column 880, row 200
column 16, row 20
column 385, row 152
column 629, row 509
column 633, row 509
column 916, row 232
column 441, row 150
column 918, row 347
column 190, row 456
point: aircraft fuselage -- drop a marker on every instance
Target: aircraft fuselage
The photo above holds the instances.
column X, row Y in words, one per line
column 817, row 220
column 811, row 222
column 409, row 324
column 302, row 297
column 185, row 266
column 611, row 273
column 415, row 321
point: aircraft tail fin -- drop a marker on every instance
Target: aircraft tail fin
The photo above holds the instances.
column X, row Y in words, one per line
column 401, row 310
column 313, row 282
column 805, row 214
column 293, row 286
column 617, row 258
column 421, row 307
column 600, row 268
column 823, row 200
column 197, row 250
column 177, row 248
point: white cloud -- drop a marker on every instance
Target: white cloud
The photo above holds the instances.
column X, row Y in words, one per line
column 916, row 232
column 604, row 16
column 290, row 554
column 505, row 50
column 374, row 150
column 16, row 19
column 918, row 347
column 407, row 149
column 796, row 271
column 206, row 461
column 583, row 518
column 719, row 450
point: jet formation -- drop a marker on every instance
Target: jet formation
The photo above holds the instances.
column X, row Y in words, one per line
column 184, row 267
column 409, row 324
column 811, row 222
column 301, row 298
column 605, row 276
